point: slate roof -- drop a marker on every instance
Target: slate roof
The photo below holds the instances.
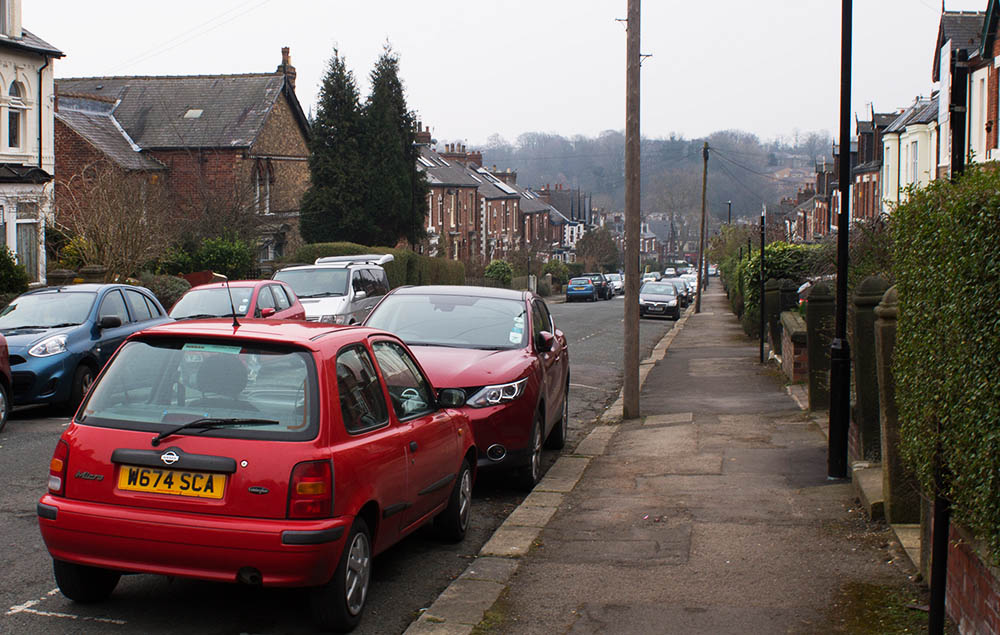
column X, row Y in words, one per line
column 442, row 172
column 883, row 119
column 101, row 131
column 31, row 42
column 922, row 111
column 963, row 28
column 200, row 111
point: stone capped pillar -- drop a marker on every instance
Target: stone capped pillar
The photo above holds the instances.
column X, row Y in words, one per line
column 866, row 415
column 819, row 335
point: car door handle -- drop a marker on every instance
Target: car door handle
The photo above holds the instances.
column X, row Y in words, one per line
column 413, row 446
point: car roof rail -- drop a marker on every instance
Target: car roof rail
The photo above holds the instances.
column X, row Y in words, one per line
column 361, row 259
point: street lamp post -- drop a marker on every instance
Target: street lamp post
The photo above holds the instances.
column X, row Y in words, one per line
column 730, row 204
column 763, row 218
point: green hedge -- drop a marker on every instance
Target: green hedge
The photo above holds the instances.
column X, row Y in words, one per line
column 781, row 260
column 947, row 267
column 407, row 267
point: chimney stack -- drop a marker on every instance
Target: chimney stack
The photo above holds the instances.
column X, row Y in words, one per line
column 286, row 68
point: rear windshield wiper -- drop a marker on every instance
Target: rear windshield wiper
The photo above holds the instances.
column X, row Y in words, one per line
column 212, row 422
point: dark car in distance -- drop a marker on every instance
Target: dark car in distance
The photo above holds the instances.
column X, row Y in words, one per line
column 503, row 349
column 605, row 290
column 659, row 298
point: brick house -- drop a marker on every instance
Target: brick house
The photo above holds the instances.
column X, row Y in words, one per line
column 26, row 147
column 233, row 144
column 867, row 190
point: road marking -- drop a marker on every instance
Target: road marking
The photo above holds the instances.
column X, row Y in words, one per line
column 27, row 608
column 586, row 386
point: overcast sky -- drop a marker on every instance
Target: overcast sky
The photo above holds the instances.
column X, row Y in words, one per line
column 472, row 69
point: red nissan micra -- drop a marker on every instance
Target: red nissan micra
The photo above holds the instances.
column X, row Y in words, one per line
column 270, row 453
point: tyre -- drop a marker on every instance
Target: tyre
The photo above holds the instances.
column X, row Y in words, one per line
column 338, row 604
column 4, row 405
column 532, row 472
column 84, row 584
column 453, row 522
column 83, row 378
column 557, row 438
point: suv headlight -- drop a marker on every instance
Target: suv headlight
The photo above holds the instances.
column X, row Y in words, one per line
column 50, row 346
column 333, row 319
column 642, row 302
column 672, row 303
column 497, row 394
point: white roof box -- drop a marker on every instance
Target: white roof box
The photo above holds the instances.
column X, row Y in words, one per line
column 361, row 259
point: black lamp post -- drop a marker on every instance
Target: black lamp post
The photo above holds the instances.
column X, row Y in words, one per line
column 730, row 204
column 763, row 218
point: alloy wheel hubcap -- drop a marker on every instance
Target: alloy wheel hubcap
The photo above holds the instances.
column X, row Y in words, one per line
column 464, row 499
column 358, row 573
column 536, row 452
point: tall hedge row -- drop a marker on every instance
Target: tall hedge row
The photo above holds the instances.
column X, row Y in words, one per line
column 407, row 266
column 781, row 260
column 947, row 357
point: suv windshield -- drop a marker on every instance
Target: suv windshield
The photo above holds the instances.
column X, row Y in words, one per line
column 205, row 302
column 159, row 384
column 45, row 310
column 452, row 320
column 317, row 282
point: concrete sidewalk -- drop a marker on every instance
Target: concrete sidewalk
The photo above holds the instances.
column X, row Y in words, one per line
column 710, row 514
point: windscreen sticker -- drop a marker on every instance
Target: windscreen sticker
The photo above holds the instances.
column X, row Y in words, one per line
column 213, row 348
column 517, row 330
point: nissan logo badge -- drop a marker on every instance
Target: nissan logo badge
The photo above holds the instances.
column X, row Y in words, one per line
column 169, row 457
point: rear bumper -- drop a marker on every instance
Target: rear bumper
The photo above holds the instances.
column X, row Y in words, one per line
column 286, row 552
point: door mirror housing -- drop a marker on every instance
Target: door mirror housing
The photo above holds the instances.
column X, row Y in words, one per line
column 451, row 397
column 266, row 313
column 360, row 295
column 109, row 322
column 545, row 342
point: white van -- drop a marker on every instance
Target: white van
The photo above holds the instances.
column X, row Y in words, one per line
column 339, row 289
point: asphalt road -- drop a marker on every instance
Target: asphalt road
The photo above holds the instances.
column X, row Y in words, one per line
column 406, row 578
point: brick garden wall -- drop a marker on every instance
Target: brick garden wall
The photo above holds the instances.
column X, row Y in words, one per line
column 973, row 598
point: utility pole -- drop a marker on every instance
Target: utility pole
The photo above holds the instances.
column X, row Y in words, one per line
column 630, row 405
column 701, row 236
column 840, row 352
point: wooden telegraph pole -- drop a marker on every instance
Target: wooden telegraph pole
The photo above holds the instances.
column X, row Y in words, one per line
column 630, row 405
column 701, row 238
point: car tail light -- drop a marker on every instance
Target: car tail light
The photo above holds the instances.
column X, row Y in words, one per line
column 57, row 468
column 310, row 493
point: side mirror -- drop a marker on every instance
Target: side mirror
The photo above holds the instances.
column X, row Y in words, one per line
column 109, row 322
column 360, row 295
column 451, row 397
column 266, row 313
column 545, row 342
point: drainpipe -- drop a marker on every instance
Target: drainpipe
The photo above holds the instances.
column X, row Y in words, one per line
column 40, row 109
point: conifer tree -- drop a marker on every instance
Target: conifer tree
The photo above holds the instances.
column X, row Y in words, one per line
column 332, row 206
column 396, row 192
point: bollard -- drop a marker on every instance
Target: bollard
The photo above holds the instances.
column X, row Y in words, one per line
column 866, row 414
column 819, row 336
column 772, row 313
column 899, row 490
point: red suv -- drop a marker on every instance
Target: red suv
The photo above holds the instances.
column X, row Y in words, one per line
column 274, row 453
column 502, row 348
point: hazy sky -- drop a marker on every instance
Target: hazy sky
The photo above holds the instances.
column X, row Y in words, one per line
column 472, row 69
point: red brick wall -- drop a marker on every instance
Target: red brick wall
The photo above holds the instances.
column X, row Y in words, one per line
column 973, row 589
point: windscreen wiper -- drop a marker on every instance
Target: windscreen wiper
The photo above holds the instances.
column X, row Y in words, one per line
column 212, row 422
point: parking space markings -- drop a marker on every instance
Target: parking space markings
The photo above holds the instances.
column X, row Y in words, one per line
column 27, row 608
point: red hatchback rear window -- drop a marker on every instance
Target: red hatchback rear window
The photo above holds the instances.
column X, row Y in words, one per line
column 161, row 383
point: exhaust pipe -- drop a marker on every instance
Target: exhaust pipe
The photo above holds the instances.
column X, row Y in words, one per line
column 249, row 575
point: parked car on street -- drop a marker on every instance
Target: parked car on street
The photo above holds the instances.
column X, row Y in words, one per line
column 5, row 383
column 249, row 298
column 617, row 281
column 650, row 275
column 503, row 349
column 272, row 453
column 669, row 272
column 604, row 289
column 338, row 289
column 685, row 290
column 59, row 338
column 581, row 289
column 659, row 298
column 713, row 270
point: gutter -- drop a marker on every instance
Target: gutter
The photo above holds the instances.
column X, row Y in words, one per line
column 40, row 110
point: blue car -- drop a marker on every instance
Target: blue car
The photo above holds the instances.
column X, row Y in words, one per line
column 581, row 289
column 59, row 338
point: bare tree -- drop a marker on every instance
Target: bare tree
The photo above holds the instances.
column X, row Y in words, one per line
column 124, row 219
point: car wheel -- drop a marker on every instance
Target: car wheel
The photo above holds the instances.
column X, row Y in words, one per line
column 84, row 584
column 453, row 522
column 337, row 605
column 557, row 438
column 4, row 405
column 532, row 472
column 83, row 379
